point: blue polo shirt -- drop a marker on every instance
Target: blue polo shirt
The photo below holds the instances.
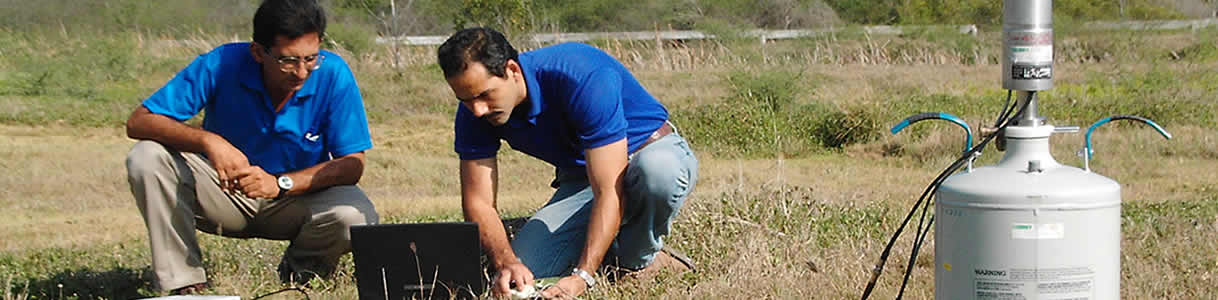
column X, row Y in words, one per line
column 579, row 98
column 324, row 119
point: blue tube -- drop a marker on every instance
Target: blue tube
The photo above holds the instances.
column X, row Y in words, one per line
column 1103, row 121
column 968, row 142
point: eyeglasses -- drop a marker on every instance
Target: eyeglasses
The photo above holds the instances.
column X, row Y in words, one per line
column 288, row 64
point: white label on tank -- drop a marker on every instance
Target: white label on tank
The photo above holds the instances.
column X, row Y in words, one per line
column 1030, row 231
column 1069, row 283
column 1032, row 54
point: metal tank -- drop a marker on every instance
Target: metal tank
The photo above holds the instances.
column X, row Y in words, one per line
column 1028, row 227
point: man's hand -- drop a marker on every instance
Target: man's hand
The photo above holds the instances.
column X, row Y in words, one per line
column 256, row 183
column 228, row 161
column 509, row 274
column 567, row 288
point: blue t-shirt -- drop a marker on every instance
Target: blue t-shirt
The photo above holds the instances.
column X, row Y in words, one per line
column 579, row 98
column 324, row 119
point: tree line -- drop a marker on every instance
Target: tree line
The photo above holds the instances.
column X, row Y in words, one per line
column 417, row 17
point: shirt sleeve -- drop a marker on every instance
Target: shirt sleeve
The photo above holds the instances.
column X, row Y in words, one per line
column 596, row 109
column 188, row 92
column 474, row 137
column 348, row 130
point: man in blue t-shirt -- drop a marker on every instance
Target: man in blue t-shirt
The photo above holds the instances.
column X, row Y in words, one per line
column 622, row 171
column 279, row 153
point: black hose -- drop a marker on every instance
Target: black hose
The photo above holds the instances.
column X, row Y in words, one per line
column 302, row 292
column 920, row 232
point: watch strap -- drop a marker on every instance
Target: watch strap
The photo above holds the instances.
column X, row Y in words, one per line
column 588, row 279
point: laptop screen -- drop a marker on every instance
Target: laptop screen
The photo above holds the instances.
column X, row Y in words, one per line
column 418, row 261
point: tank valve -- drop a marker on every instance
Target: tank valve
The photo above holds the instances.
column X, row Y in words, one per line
column 1087, row 151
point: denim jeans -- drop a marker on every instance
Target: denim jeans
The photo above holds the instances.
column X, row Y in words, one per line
column 658, row 178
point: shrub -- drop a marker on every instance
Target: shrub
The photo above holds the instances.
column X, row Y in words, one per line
column 754, row 122
column 355, row 38
column 764, row 118
column 837, row 129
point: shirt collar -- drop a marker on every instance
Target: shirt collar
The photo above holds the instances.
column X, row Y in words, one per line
column 534, row 89
column 251, row 76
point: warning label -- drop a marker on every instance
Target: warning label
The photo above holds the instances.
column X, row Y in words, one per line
column 1071, row 283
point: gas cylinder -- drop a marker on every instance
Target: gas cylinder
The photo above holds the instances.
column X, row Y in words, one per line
column 1028, row 227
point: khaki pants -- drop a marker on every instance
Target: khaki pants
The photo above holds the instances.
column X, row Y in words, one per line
column 178, row 192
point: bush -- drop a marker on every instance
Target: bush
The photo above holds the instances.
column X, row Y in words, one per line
column 855, row 125
column 754, row 122
column 867, row 12
column 355, row 38
column 764, row 118
column 508, row 16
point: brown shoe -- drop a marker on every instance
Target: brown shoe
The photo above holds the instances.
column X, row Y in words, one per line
column 191, row 289
column 667, row 259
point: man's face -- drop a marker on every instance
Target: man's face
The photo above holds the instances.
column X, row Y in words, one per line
column 489, row 97
column 287, row 64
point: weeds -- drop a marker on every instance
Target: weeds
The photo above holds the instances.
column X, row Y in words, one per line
column 765, row 118
column 855, row 125
column 1158, row 94
column 733, row 98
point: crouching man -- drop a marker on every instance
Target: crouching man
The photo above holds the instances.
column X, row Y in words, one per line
column 621, row 170
column 279, row 153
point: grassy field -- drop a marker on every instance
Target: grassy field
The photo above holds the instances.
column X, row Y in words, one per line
column 800, row 188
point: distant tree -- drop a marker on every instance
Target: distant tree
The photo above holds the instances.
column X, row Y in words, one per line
column 867, row 11
column 506, row 15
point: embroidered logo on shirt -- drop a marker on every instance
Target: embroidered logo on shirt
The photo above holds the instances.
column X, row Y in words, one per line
column 312, row 137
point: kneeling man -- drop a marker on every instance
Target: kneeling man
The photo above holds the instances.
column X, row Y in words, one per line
column 621, row 170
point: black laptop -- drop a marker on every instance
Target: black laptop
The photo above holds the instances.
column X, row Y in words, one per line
column 418, row 261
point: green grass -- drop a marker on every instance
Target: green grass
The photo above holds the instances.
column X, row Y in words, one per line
column 781, row 215
column 801, row 183
column 119, row 271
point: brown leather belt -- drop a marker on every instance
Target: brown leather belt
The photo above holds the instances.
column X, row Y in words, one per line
column 656, row 135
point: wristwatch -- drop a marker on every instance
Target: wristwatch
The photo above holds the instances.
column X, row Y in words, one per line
column 588, row 279
column 285, row 185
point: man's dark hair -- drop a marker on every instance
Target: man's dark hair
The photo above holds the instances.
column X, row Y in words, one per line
column 289, row 18
column 480, row 45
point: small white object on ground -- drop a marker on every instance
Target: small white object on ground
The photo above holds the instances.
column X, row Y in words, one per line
column 528, row 293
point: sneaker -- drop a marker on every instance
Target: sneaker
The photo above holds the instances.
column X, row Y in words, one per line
column 191, row 289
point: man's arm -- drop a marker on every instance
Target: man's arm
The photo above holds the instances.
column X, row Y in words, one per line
column 606, row 166
column 145, row 125
column 344, row 170
column 257, row 183
column 479, row 188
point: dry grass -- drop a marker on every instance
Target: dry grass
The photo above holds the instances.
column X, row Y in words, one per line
column 771, row 227
column 768, row 228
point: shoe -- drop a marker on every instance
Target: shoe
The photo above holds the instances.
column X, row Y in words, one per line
column 191, row 289
column 299, row 277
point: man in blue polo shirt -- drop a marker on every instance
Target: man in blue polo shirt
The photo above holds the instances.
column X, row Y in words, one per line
column 278, row 156
column 622, row 171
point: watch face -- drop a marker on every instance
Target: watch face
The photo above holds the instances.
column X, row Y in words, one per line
column 285, row 182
